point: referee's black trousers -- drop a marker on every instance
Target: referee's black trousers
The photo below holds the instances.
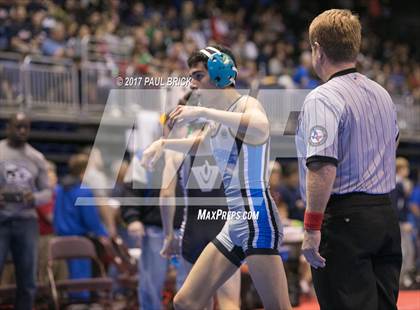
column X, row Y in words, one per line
column 361, row 242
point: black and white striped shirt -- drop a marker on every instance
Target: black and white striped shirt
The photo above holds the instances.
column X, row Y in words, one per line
column 351, row 122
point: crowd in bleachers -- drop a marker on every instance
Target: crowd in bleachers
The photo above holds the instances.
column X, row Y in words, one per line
column 270, row 44
column 269, row 40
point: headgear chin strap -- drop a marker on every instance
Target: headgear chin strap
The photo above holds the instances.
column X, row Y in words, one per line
column 222, row 70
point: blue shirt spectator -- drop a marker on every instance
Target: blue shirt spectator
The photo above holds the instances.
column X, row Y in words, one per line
column 55, row 44
column 70, row 220
column 73, row 220
column 415, row 206
column 290, row 192
column 400, row 196
column 303, row 77
column 400, row 202
column 51, row 47
column 4, row 30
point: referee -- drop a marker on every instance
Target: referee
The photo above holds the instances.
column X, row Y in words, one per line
column 346, row 141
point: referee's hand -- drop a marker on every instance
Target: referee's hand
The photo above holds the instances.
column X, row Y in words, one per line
column 310, row 248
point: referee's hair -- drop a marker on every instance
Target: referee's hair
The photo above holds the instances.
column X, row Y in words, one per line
column 339, row 33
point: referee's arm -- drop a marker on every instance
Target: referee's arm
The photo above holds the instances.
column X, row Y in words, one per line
column 319, row 182
column 321, row 123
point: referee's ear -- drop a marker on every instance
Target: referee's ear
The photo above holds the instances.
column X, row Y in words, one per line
column 317, row 50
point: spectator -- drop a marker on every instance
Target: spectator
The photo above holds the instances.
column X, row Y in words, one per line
column 414, row 79
column 75, row 43
column 136, row 15
column 118, row 194
column 415, row 217
column 23, row 186
column 141, row 59
column 77, row 220
column 275, row 185
column 94, row 21
column 20, row 30
column 97, row 180
column 275, row 64
column 158, row 45
column 143, row 219
column 119, row 191
column 46, row 231
column 187, row 13
column 303, row 76
column 145, row 226
column 6, row 89
column 245, row 49
column 196, row 34
column 264, row 58
column 55, row 44
column 69, row 220
column 290, row 192
column 110, row 33
column 400, row 199
column 4, row 30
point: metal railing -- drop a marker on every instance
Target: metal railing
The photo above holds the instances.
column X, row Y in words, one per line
column 97, row 79
column 101, row 59
column 11, row 86
column 36, row 82
column 50, row 82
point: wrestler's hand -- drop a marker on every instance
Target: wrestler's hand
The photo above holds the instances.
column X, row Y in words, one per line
column 152, row 154
column 310, row 248
column 185, row 114
column 171, row 247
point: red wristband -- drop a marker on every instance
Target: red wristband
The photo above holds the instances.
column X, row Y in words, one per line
column 313, row 220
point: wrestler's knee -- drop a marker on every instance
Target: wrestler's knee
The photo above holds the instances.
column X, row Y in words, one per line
column 183, row 302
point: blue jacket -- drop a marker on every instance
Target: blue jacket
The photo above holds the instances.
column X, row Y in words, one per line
column 71, row 220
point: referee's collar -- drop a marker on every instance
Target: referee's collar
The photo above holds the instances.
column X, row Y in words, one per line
column 343, row 72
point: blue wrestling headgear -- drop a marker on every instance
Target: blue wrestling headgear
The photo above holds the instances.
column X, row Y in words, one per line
column 221, row 67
